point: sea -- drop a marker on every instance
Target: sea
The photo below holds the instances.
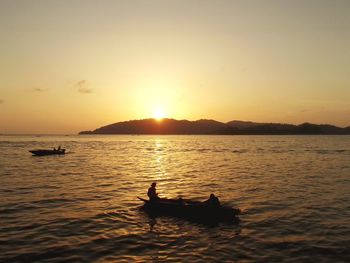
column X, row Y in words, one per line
column 293, row 191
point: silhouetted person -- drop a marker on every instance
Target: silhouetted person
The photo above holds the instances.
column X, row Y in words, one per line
column 181, row 201
column 59, row 148
column 152, row 192
column 213, row 200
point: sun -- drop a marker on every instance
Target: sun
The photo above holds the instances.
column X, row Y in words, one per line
column 158, row 114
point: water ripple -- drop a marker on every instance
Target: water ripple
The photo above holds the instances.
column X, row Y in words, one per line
column 294, row 192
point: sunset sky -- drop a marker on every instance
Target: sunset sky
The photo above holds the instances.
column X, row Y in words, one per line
column 68, row 66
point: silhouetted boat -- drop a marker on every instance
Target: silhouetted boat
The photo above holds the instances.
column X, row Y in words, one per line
column 191, row 210
column 42, row 152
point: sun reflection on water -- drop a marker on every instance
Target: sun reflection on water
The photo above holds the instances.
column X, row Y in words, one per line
column 159, row 160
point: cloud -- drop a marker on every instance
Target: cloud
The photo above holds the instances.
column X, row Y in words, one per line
column 244, row 69
column 83, row 87
column 304, row 110
column 36, row 89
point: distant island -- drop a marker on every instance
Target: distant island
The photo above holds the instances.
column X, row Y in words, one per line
column 172, row 126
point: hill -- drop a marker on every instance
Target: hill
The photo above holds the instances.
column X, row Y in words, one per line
column 172, row 126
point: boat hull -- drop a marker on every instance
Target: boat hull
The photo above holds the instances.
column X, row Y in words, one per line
column 194, row 211
column 43, row 152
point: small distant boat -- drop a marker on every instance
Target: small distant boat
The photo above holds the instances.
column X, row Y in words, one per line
column 191, row 210
column 42, row 152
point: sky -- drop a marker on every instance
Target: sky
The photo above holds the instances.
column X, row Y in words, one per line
column 68, row 66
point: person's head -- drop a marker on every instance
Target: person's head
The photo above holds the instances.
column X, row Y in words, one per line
column 154, row 184
column 212, row 195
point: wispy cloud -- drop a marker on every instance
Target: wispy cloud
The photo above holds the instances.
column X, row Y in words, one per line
column 37, row 89
column 83, row 87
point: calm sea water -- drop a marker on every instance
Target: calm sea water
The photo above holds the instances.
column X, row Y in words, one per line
column 294, row 192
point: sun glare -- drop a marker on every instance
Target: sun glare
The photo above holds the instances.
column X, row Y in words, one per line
column 158, row 114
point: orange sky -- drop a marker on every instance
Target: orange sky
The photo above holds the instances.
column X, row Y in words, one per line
column 68, row 66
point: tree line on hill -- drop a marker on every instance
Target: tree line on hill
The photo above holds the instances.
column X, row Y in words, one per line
column 172, row 126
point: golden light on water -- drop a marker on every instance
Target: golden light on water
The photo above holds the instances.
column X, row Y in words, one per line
column 159, row 160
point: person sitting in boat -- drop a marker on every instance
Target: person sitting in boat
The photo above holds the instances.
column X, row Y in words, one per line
column 152, row 192
column 213, row 200
column 181, row 201
column 59, row 148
